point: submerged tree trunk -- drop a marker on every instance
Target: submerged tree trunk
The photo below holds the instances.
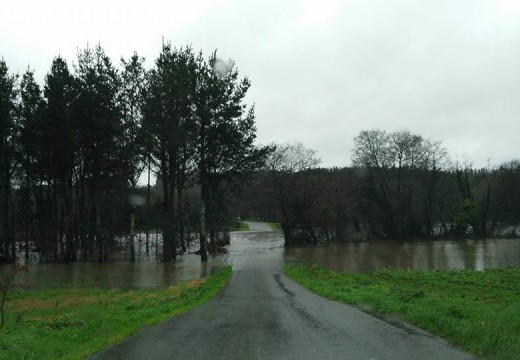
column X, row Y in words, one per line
column 5, row 231
column 132, row 245
column 203, row 251
column 148, row 210
column 99, row 237
column 213, row 239
column 180, row 213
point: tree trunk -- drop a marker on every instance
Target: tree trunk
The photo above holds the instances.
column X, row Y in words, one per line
column 203, row 251
column 148, row 210
column 5, row 231
column 169, row 243
column 99, row 238
column 10, row 232
column 180, row 213
column 132, row 227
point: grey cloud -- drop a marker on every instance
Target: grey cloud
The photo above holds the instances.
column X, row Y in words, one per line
column 444, row 69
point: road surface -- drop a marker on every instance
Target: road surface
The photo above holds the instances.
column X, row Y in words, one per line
column 258, row 226
column 261, row 314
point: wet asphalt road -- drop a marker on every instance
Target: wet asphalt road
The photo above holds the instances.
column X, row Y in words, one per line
column 261, row 314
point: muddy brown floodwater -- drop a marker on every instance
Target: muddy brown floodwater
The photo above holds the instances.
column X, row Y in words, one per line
column 414, row 255
column 265, row 249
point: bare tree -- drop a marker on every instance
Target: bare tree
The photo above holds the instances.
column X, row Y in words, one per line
column 285, row 169
column 393, row 162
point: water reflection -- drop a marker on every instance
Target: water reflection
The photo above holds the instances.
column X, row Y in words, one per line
column 265, row 250
column 147, row 273
column 247, row 249
column 419, row 255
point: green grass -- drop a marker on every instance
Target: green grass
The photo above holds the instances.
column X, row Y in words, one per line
column 479, row 311
column 238, row 226
column 275, row 225
column 74, row 323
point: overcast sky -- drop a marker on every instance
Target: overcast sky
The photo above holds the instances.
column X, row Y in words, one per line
column 321, row 71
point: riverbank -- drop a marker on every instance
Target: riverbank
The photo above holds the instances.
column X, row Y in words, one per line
column 478, row 310
column 74, row 323
column 238, row 226
column 275, row 225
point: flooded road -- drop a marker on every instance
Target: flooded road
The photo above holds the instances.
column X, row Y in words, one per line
column 246, row 249
column 262, row 314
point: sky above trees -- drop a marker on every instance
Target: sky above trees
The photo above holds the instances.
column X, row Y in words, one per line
column 320, row 71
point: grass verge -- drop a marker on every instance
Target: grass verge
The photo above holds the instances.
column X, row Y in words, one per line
column 74, row 323
column 238, row 226
column 275, row 225
column 479, row 311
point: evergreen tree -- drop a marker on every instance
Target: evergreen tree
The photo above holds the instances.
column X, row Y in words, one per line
column 167, row 121
column 8, row 98
column 225, row 134
column 34, row 174
column 100, row 173
column 133, row 82
column 133, row 78
column 59, row 137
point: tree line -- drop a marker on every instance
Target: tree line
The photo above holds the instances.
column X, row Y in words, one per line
column 400, row 185
column 72, row 152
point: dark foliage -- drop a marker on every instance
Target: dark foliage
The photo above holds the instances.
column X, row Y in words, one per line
column 400, row 186
column 72, row 154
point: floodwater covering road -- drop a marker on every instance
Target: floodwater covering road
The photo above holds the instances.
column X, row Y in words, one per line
column 257, row 226
column 261, row 314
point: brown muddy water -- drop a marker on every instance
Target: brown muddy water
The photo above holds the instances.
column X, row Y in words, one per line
column 265, row 249
column 414, row 255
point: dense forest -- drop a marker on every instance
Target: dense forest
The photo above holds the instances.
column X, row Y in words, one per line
column 72, row 153
column 400, row 186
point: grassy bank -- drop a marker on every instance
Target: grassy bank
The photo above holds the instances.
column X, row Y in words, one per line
column 275, row 225
column 238, row 226
column 74, row 323
column 479, row 311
